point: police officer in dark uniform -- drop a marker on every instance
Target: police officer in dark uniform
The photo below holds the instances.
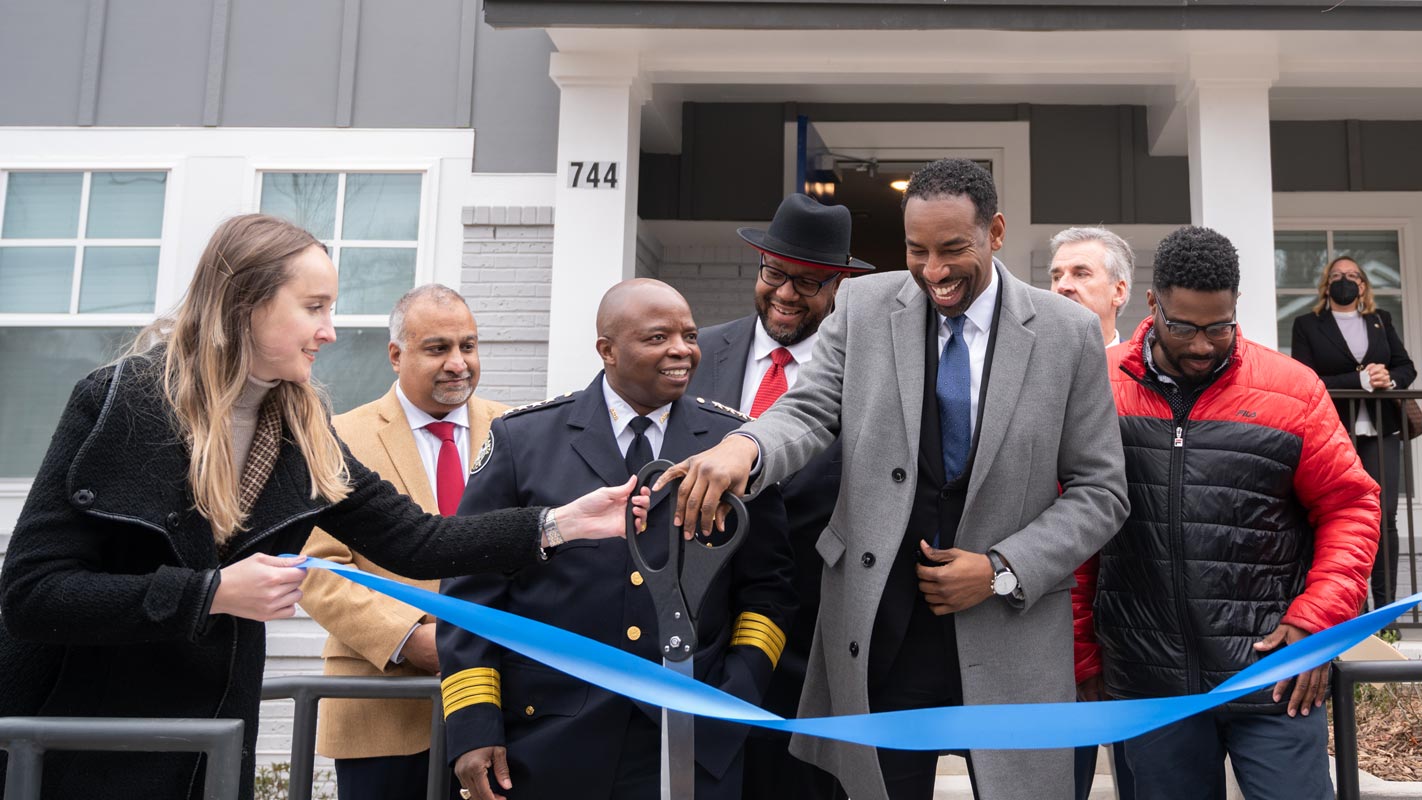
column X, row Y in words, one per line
column 522, row 730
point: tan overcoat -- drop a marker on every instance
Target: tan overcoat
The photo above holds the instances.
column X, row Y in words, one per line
column 366, row 628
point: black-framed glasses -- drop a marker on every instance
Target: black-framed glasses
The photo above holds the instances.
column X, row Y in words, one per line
column 1186, row 331
column 805, row 287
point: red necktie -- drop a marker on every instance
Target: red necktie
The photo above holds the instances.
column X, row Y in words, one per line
column 773, row 384
column 449, row 473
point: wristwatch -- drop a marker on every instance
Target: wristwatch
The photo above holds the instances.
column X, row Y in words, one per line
column 549, row 536
column 1004, row 582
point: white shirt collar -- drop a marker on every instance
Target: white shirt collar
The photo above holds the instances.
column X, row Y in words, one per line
column 763, row 346
column 620, row 412
column 419, row 419
column 980, row 313
column 1115, row 338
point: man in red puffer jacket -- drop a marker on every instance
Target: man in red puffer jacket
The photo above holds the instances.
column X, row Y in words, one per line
column 1252, row 525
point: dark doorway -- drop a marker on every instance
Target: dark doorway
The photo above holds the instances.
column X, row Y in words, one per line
column 878, row 221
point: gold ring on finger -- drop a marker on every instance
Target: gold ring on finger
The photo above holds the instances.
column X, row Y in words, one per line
column 464, row 793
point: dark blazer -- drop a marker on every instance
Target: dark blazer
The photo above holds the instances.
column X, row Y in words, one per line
column 565, row 736
column 1318, row 343
column 810, row 496
column 109, row 576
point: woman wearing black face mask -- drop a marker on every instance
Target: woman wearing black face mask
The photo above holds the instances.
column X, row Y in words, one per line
column 1352, row 344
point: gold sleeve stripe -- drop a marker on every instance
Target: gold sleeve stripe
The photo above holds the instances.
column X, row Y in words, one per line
column 471, row 687
column 757, row 630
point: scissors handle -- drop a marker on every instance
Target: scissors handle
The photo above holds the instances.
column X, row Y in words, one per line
column 681, row 584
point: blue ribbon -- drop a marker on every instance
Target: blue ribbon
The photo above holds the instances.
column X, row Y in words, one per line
column 984, row 727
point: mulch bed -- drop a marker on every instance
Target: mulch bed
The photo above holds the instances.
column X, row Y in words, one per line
column 1389, row 731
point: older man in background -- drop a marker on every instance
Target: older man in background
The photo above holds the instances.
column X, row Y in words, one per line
column 421, row 436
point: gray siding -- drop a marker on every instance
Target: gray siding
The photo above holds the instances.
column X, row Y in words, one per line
column 1346, row 155
column 275, row 63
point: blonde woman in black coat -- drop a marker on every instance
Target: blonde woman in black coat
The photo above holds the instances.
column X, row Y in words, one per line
column 1352, row 344
column 142, row 567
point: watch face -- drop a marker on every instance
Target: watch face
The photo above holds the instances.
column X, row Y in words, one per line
column 1004, row 583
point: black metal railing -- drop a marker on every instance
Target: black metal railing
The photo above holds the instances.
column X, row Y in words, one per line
column 1346, row 675
column 307, row 691
column 1376, row 404
column 26, row 739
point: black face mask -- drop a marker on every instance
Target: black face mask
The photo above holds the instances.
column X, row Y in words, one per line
column 1343, row 292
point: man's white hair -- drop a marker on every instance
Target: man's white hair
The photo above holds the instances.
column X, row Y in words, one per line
column 1120, row 260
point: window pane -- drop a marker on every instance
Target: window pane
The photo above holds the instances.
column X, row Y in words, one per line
column 38, row 368
column 126, row 205
column 306, row 198
column 1375, row 252
column 118, row 280
column 385, row 207
column 1289, row 307
column 35, row 279
column 42, row 205
column 355, row 369
column 1299, row 258
column 373, row 278
column 1392, row 304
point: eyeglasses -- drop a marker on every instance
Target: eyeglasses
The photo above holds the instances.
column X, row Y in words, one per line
column 805, row 287
column 1355, row 277
column 1186, row 331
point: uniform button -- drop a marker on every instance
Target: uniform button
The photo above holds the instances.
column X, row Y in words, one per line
column 943, row 493
column 634, row 633
column 898, row 475
column 174, row 520
column 636, row 578
column 528, row 711
column 867, row 559
column 83, row 497
column 854, row 649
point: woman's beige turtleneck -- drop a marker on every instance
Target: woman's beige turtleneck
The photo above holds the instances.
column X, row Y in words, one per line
column 244, row 419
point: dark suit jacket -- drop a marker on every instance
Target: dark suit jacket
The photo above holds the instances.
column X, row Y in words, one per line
column 1320, row 344
column 565, row 736
column 810, row 495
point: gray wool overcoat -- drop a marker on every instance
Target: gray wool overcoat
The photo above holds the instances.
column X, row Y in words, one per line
column 1048, row 421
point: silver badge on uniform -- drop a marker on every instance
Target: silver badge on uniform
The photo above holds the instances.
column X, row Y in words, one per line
column 485, row 451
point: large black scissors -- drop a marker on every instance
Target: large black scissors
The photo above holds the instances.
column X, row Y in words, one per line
column 678, row 590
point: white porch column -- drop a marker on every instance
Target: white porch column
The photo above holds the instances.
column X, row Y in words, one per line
column 1231, row 181
column 595, row 233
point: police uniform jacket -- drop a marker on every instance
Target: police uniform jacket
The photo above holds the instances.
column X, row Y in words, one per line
column 105, row 591
column 564, row 735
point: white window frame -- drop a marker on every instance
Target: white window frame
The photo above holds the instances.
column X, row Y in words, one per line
column 429, row 194
column 167, row 291
column 1410, row 288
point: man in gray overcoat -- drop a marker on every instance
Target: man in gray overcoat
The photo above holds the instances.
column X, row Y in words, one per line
column 981, row 466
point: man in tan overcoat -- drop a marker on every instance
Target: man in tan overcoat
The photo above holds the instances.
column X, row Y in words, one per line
column 422, row 436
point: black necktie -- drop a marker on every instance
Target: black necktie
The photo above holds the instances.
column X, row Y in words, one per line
column 639, row 453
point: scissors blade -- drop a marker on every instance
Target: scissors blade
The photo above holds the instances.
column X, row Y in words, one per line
column 678, row 745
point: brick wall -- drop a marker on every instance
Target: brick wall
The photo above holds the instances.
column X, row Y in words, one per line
column 718, row 282
column 508, row 278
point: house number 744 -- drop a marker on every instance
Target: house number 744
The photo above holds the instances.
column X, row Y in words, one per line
column 592, row 174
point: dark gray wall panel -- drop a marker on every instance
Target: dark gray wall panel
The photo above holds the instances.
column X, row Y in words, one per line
column 1162, row 183
column 41, row 54
column 515, row 102
column 282, row 63
column 659, row 186
column 1309, row 156
column 154, row 66
column 906, row 112
column 1076, row 164
column 1392, row 156
column 408, row 66
column 732, row 160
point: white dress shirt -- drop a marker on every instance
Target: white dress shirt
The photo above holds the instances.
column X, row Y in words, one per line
column 620, row 414
column 428, row 444
column 758, row 363
column 976, row 333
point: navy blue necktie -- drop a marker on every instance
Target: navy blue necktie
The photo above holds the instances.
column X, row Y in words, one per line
column 954, row 390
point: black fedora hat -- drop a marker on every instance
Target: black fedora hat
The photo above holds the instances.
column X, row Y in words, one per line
column 808, row 232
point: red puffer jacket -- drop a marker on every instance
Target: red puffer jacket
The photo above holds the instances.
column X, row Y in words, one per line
column 1250, row 510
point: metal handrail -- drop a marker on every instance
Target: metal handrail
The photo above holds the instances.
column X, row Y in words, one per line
column 1374, row 401
column 1347, row 674
column 307, row 690
column 27, row 738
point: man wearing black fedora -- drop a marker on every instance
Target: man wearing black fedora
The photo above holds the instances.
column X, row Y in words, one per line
column 747, row 364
